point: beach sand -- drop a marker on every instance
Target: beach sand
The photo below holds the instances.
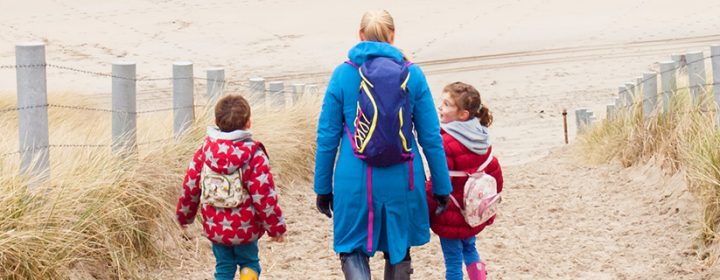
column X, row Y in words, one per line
column 561, row 219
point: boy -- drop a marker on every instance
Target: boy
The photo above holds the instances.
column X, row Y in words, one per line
column 230, row 178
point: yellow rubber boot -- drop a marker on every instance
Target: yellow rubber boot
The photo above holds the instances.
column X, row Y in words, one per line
column 248, row 274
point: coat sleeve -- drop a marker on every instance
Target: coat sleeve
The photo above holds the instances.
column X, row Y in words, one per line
column 329, row 133
column 427, row 125
column 190, row 199
column 264, row 197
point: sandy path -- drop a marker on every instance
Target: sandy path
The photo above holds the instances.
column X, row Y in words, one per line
column 560, row 220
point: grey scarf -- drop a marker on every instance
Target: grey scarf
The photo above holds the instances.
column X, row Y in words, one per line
column 470, row 133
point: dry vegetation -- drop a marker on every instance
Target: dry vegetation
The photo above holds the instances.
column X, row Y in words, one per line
column 685, row 139
column 109, row 217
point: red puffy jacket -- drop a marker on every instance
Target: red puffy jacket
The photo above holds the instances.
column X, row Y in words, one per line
column 451, row 224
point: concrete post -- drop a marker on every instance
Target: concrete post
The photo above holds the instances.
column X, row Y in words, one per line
column 668, row 82
column 631, row 90
column 183, row 101
column 124, row 117
column 297, row 92
column 649, row 89
column 257, row 89
column 610, row 112
column 215, row 84
column 580, row 119
column 622, row 97
column 696, row 76
column 312, row 89
column 275, row 96
column 715, row 55
column 32, row 114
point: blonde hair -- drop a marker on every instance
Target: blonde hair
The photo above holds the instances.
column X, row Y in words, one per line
column 377, row 26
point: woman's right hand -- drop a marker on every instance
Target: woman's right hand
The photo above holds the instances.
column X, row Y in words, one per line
column 324, row 204
column 442, row 201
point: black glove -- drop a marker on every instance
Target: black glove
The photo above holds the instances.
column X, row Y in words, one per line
column 324, row 204
column 442, row 201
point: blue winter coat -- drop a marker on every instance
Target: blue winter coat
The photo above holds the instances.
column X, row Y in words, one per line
column 400, row 218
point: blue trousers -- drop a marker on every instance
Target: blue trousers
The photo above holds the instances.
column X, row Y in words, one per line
column 455, row 251
column 228, row 258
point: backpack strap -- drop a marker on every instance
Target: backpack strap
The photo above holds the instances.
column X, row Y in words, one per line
column 261, row 146
column 455, row 173
column 352, row 64
column 456, row 203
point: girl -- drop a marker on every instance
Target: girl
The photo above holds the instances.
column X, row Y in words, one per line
column 464, row 122
column 390, row 216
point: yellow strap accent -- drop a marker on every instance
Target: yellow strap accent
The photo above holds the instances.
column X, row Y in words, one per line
column 402, row 137
column 365, row 79
column 373, row 123
column 404, row 84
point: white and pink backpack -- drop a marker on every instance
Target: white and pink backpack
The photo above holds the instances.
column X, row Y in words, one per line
column 481, row 197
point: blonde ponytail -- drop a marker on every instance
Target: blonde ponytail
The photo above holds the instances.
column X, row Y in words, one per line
column 377, row 26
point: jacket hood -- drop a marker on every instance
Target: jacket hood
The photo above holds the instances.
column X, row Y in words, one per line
column 220, row 146
column 470, row 133
column 235, row 135
column 368, row 49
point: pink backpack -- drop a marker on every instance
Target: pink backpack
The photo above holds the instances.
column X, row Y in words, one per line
column 481, row 198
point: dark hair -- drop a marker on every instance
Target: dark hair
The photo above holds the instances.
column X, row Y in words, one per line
column 466, row 97
column 232, row 113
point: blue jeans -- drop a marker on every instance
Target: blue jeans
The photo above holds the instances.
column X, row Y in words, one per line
column 228, row 258
column 455, row 251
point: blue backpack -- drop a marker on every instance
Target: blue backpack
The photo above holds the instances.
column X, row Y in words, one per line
column 383, row 125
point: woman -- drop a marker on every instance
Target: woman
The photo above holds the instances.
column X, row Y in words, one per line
column 389, row 216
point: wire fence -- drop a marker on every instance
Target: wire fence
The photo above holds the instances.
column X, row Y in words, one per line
column 652, row 99
column 182, row 91
column 82, row 146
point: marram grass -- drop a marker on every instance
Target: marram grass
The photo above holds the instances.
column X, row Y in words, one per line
column 113, row 216
column 685, row 137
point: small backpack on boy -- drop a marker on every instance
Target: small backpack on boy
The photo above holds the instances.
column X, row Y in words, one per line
column 223, row 190
column 480, row 197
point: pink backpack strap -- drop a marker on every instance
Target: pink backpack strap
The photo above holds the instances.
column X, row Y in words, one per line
column 352, row 64
column 455, row 173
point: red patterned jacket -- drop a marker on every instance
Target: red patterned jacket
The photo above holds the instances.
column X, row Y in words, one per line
column 226, row 152
column 451, row 224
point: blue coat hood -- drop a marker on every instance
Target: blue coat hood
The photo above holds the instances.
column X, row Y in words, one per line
column 367, row 49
